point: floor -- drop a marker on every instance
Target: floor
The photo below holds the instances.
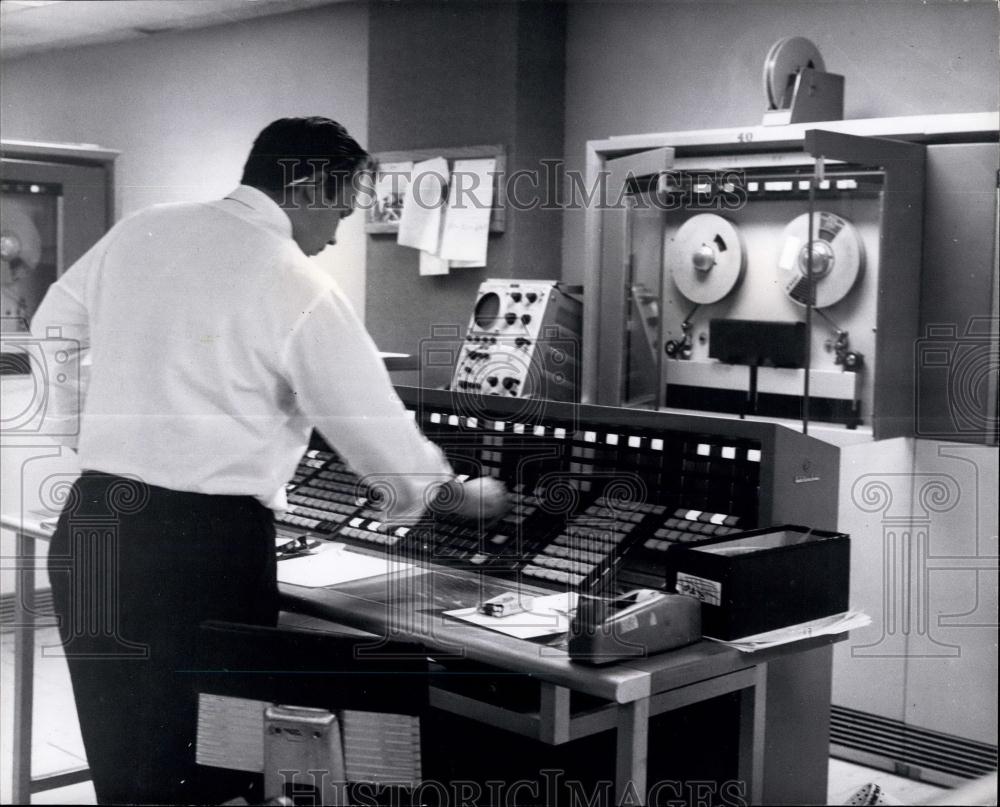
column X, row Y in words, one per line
column 57, row 745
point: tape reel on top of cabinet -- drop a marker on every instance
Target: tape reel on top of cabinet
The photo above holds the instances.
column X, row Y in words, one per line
column 706, row 258
column 837, row 259
column 786, row 59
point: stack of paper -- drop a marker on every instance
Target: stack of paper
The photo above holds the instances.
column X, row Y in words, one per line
column 549, row 615
column 828, row 625
column 333, row 564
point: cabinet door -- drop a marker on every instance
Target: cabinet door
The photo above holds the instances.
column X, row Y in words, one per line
column 957, row 353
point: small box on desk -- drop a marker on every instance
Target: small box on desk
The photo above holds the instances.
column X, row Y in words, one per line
column 763, row 579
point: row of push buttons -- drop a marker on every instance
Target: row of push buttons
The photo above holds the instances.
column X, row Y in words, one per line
column 335, row 491
column 553, row 575
column 374, row 532
column 584, row 543
column 316, row 500
column 293, row 520
column 691, row 525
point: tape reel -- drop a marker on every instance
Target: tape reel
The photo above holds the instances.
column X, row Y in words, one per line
column 784, row 61
column 706, row 258
column 838, row 259
column 20, row 242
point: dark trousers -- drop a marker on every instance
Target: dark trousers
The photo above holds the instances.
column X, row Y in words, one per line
column 135, row 569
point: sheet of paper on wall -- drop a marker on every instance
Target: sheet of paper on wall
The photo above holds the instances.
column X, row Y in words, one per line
column 467, row 220
column 431, row 264
column 390, row 190
column 420, row 222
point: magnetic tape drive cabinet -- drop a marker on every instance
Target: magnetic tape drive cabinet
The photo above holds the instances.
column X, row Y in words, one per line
column 775, row 279
column 56, row 201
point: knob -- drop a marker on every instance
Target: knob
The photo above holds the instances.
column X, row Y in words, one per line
column 492, row 380
column 511, row 317
column 703, row 258
column 515, row 296
column 853, row 362
column 525, row 318
column 671, row 348
column 531, row 296
column 509, row 383
column 522, row 342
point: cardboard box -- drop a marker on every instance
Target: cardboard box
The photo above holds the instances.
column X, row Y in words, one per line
column 763, row 579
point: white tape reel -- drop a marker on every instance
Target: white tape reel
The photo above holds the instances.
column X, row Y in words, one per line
column 20, row 242
column 705, row 257
column 837, row 258
column 786, row 58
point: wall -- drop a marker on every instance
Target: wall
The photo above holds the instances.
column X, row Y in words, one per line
column 184, row 107
column 462, row 74
column 634, row 67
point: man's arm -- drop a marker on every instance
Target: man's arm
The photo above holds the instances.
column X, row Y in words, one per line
column 62, row 327
column 341, row 385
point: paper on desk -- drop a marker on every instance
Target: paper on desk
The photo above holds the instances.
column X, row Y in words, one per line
column 420, row 222
column 827, row 625
column 549, row 615
column 467, row 218
column 334, row 564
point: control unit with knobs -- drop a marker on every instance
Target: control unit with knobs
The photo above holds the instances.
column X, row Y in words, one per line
column 523, row 341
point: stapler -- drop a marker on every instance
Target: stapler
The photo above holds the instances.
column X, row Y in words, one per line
column 634, row 625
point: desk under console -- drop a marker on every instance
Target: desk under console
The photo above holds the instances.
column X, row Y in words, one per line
column 599, row 495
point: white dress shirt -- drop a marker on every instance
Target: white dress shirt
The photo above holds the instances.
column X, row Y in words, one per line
column 215, row 346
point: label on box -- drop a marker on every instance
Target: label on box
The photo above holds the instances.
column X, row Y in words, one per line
column 629, row 624
column 708, row 591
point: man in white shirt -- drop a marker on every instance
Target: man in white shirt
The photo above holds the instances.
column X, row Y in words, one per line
column 215, row 347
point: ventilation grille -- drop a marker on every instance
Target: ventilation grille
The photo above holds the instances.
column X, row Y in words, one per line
column 44, row 614
column 911, row 745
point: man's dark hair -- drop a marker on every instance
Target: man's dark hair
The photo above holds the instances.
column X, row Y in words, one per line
column 295, row 149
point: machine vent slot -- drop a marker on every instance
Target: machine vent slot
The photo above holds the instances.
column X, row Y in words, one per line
column 907, row 745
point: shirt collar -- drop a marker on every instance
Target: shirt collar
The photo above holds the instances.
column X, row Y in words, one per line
column 267, row 210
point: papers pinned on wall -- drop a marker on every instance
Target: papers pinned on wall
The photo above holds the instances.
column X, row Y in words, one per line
column 466, row 230
column 431, row 264
column 420, row 222
column 442, row 203
column 455, row 234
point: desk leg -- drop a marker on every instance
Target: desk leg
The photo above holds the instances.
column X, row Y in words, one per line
column 753, row 705
column 633, row 748
column 24, row 665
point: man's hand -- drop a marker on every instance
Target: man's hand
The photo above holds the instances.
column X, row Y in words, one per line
column 481, row 498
